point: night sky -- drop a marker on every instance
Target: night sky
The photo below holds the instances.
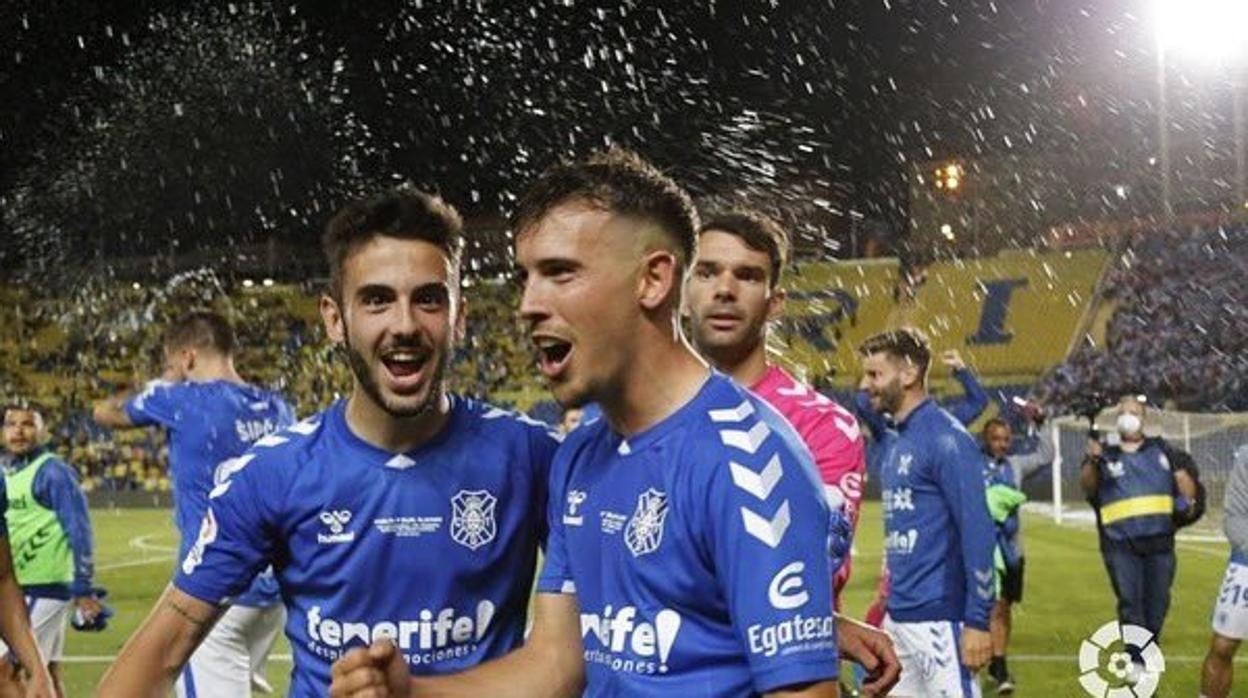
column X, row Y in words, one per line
column 148, row 127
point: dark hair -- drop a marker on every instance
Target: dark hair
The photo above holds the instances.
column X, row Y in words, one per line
column 201, row 329
column 619, row 181
column 404, row 213
column 906, row 343
column 994, row 422
column 758, row 231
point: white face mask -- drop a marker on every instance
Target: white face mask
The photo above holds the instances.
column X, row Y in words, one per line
column 1129, row 424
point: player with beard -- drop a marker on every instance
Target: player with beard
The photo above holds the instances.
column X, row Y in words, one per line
column 689, row 535
column 938, row 535
column 403, row 512
column 732, row 294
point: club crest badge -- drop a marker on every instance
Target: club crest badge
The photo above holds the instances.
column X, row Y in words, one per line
column 472, row 518
column 644, row 532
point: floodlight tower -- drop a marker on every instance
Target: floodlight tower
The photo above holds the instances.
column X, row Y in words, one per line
column 1209, row 32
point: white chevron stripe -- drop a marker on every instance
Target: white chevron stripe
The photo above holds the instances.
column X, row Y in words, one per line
column 270, row 441
column 758, row 484
column 747, row 441
column 769, row 532
column 305, row 427
column 798, row 390
column 735, row 414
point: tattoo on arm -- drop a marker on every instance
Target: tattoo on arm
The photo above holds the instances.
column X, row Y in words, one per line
column 197, row 622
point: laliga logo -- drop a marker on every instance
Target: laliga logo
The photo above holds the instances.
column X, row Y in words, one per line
column 1107, row 668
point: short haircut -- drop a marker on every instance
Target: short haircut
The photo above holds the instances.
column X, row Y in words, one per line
column 995, row 422
column 906, row 343
column 619, row 181
column 25, row 406
column 405, row 213
column 201, row 329
column 758, row 231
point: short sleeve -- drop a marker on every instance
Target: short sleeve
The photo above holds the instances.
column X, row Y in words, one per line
column 770, row 539
column 556, row 574
column 235, row 541
column 160, row 403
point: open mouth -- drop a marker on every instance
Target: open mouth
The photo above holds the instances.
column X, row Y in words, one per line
column 404, row 364
column 553, row 355
column 722, row 321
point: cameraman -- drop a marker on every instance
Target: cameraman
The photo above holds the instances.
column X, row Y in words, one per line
column 1142, row 489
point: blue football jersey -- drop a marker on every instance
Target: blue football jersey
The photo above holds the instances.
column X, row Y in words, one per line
column 208, row 423
column 700, row 551
column 938, row 534
column 434, row 548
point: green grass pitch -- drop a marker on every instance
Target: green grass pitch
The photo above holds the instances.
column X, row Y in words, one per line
column 1067, row 597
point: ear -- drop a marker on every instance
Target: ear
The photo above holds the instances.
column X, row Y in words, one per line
column 658, row 280
column 331, row 315
column 775, row 304
column 909, row 374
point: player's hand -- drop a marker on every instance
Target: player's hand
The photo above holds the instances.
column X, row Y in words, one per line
column 953, row 359
column 89, row 606
column 976, row 648
column 376, row 672
column 871, row 648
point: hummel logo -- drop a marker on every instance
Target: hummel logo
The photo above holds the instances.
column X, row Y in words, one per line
column 747, row 441
column 758, row 484
column 769, row 532
column 337, row 522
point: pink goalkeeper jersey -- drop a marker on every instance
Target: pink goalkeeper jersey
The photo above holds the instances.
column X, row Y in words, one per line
column 831, row 433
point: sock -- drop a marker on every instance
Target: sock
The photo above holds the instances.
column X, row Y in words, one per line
column 997, row 668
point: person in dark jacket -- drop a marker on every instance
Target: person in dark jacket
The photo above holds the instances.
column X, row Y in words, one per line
column 1141, row 488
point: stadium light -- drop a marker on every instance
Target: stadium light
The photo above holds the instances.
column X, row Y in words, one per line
column 1210, row 31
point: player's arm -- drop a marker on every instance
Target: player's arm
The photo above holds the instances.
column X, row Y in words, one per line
column 1236, row 506
column 975, row 400
column 56, row 487
column 15, row 624
column 152, row 658
column 823, row 689
column 111, row 412
column 158, row 403
column 962, row 487
column 769, row 541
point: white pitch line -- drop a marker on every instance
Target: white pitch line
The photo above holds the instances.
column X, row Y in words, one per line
column 141, row 543
column 134, row 563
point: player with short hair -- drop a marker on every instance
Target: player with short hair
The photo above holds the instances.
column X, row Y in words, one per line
column 212, row 416
column 939, row 536
column 689, row 535
column 50, row 532
column 733, row 293
column 403, row 512
column 1004, row 472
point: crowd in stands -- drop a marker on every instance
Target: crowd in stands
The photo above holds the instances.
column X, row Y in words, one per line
column 1179, row 333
